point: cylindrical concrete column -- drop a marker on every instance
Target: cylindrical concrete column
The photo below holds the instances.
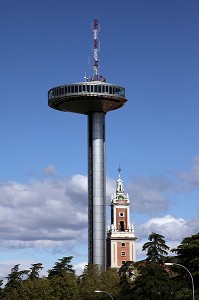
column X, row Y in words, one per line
column 96, row 189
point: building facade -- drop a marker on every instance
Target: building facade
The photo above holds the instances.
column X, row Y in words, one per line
column 121, row 239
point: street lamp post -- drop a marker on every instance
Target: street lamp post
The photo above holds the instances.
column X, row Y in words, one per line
column 171, row 264
column 104, row 292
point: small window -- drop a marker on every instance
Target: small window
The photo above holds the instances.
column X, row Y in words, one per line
column 91, row 88
column 65, row 90
column 50, row 94
column 99, row 88
column 122, row 92
column 69, row 89
column 76, row 88
column 106, row 88
column 103, row 89
column 121, row 214
column 110, row 90
column 80, row 88
column 83, row 88
column 95, row 88
column 72, row 89
column 123, row 244
column 88, row 88
column 123, row 262
column 123, row 253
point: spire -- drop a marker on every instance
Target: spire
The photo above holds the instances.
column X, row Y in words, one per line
column 119, row 187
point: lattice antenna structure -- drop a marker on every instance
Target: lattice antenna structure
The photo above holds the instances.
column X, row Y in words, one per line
column 96, row 50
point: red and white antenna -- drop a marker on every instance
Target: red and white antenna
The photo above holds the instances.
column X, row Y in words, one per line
column 96, row 50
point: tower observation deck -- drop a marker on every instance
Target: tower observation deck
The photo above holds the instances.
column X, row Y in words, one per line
column 87, row 97
column 93, row 98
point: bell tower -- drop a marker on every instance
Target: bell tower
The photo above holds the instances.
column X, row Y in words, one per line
column 120, row 236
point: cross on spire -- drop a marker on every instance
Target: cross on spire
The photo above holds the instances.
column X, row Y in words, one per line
column 119, row 170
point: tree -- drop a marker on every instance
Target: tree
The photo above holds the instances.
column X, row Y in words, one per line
column 1, row 290
column 127, row 273
column 64, row 287
column 12, row 286
column 128, row 269
column 63, row 280
column 94, row 278
column 15, row 277
column 156, row 248
column 37, row 289
column 34, row 273
column 188, row 255
column 90, row 281
column 110, row 281
column 61, row 267
column 152, row 282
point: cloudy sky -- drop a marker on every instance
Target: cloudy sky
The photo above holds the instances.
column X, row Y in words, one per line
column 149, row 47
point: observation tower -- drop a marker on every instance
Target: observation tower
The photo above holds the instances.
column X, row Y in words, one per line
column 94, row 97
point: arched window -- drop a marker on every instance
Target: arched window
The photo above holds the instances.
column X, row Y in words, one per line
column 121, row 226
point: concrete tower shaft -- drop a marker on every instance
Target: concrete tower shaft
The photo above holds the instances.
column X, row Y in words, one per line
column 97, row 189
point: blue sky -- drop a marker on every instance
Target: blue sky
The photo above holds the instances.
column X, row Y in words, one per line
column 148, row 46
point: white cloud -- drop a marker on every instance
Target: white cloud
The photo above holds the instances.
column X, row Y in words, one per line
column 150, row 195
column 190, row 179
column 50, row 170
column 80, row 267
column 173, row 229
column 168, row 226
column 43, row 211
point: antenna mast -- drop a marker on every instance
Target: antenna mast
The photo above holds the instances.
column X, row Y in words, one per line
column 96, row 50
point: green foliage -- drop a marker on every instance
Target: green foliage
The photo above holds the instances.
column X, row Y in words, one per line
column 188, row 256
column 156, row 248
column 94, row 278
column 61, row 267
column 152, row 282
column 128, row 269
column 90, row 281
column 34, row 271
column 15, row 277
column 127, row 273
column 183, row 294
column 110, row 282
column 64, row 287
column 37, row 289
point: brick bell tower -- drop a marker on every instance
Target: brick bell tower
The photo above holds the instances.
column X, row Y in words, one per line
column 120, row 236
